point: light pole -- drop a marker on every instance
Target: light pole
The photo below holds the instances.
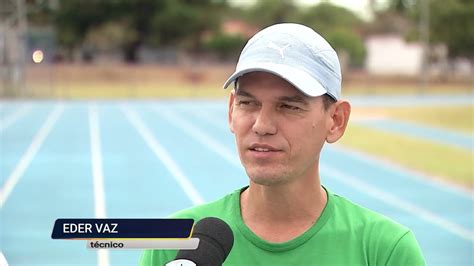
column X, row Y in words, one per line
column 13, row 28
column 424, row 28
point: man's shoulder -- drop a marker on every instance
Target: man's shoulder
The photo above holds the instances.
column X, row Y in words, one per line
column 388, row 242
column 362, row 217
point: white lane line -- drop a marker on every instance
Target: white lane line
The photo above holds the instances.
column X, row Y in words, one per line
column 198, row 134
column 97, row 171
column 214, row 121
column 98, row 176
column 163, row 156
column 3, row 260
column 392, row 200
column 364, row 188
column 29, row 154
column 13, row 117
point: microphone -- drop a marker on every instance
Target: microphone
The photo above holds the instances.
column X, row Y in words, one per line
column 215, row 242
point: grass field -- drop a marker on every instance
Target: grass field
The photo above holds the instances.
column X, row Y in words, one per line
column 431, row 158
column 406, row 89
column 125, row 82
column 435, row 159
column 458, row 118
column 187, row 81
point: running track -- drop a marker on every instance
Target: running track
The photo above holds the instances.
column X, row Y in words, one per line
column 146, row 159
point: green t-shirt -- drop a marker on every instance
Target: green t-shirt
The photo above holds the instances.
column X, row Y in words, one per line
column 345, row 234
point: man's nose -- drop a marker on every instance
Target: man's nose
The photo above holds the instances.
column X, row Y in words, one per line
column 265, row 122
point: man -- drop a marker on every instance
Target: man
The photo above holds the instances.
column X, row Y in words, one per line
column 285, row 105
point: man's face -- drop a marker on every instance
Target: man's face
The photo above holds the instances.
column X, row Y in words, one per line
column 278, row 130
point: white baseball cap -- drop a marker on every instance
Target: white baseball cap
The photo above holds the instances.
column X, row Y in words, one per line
column 295, row 53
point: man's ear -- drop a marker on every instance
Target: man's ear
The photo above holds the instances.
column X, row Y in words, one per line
column 339, row 118
column 231, row 110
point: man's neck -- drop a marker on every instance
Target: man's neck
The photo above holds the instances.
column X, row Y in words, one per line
column 292, row 208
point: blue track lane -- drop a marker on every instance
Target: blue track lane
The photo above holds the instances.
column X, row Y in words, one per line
column 16, row 138
column 6, row 108
column 56, row 184
column 194, row 134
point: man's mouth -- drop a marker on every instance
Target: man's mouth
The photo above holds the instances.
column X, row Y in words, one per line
column 263, row 148
column 260, row 149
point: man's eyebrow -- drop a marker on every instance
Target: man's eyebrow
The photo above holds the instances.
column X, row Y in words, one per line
column 296, row 99
column 241, row 92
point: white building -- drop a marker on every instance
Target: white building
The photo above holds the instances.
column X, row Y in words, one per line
column 391, row 55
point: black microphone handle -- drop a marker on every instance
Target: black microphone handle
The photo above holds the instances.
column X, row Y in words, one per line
column 208, row 254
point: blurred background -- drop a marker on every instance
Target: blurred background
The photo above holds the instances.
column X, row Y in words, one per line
column 48, row 48
column 408, row 70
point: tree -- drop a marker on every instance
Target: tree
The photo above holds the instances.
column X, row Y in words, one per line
column 111, row 36
column 268, row 12
column 73, row 19
column 226, row 46
column 326, row 17
column 139, row 13
column 183, row 22
column 452, row 23
column 131, row 24
column 391, row 22
column 402, row 7
column 340, row 27
column 346, row 41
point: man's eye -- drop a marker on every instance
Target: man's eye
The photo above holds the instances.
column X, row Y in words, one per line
column 245, row 103
column 290, row 107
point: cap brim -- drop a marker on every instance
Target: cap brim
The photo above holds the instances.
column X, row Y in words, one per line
column 298, row 78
